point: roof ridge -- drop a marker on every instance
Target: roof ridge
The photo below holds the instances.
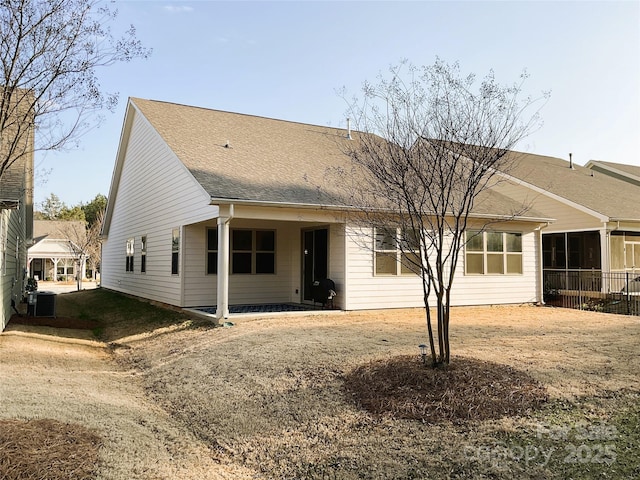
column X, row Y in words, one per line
column 196, row 107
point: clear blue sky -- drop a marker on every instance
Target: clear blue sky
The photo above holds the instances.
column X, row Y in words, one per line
column 286, row 59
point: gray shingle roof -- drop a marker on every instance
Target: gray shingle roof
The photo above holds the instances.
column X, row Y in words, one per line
column 606, row 195
column 244, row 157
column 630, row 169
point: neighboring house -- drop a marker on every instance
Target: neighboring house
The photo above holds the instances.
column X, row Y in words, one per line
column 628, row 173
column 211, row 208
column 56, row 253
column 16, row 230
column 596, row 232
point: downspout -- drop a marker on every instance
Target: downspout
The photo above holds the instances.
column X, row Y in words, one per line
column 222, row 298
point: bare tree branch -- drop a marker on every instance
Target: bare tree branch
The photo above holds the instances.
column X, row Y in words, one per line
column 50, row 51
column 430, row 147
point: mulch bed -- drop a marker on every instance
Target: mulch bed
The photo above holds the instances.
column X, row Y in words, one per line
column 467, row 389
column 47, row 449
column 57, row 322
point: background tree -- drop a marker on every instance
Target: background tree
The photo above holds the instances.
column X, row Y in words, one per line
column 430, row 145
column 52, row 208
column 78, row 240
column 94, row 209
column 50, row 51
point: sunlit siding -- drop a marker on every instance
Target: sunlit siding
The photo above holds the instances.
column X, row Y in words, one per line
column 337, row 263
column 501, row 289
column 155, row 195
column 369, row 291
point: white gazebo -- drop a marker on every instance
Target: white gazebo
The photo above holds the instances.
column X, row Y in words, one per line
column 54, row 256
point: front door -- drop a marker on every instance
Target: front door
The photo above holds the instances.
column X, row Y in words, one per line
column 315, row 261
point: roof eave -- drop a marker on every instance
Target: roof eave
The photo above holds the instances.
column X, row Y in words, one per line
column 262, row 203
column 626, row 220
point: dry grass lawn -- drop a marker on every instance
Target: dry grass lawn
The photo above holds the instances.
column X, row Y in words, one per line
column 269, row 397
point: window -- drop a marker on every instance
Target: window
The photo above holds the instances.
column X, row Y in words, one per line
column 175, row 251
column 143, row 254
column 212, row 251
column 253, row 251
column 130, row 253
column 493, row 253
column 389, row 258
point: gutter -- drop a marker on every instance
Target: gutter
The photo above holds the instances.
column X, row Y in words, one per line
column 261, row 203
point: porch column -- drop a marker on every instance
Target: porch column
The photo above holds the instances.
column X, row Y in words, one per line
column 222, row 300
column 55, row 269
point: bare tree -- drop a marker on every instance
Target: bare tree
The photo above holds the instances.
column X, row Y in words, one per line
column 79, row 241
column 50, row 51
column 94, row 243
column 429, row 145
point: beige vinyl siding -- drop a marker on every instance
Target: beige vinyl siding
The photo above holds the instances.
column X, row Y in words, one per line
column 337, row 263
column 11, row 272
column 501, row 288
column 565, row 216
column 155, row 195
column 368, row 291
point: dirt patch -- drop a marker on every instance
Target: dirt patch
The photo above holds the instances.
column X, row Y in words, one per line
column 56, row 322
column 37, row 449
column 467, row 389
column 67, row 376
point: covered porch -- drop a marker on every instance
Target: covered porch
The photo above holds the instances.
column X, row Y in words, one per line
column 260, row 260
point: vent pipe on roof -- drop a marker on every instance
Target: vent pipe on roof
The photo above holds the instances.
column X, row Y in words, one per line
column 349, row 128
column 570, row 161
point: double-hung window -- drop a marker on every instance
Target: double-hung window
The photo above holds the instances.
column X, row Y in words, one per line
column 396, row 252
column 253, row 251
column 143, row 254
column 493, row 253
column 130, row 255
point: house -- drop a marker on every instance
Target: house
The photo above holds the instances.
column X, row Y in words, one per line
column 217, row 209
column 596, row 232
column 16, row 228
column 628, row 173
column 56, row 253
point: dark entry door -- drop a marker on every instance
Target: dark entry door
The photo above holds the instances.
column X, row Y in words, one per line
column 315, row 251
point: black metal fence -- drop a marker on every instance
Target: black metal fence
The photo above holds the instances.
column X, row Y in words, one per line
column 609, row 292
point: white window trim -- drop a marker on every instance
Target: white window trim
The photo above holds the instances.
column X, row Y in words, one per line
column 396, row 252
column 485, row 254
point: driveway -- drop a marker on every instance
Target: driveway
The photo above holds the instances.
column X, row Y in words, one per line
column 65, row 287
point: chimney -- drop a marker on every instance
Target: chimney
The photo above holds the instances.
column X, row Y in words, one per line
column 570, row 161
column 349, row 128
